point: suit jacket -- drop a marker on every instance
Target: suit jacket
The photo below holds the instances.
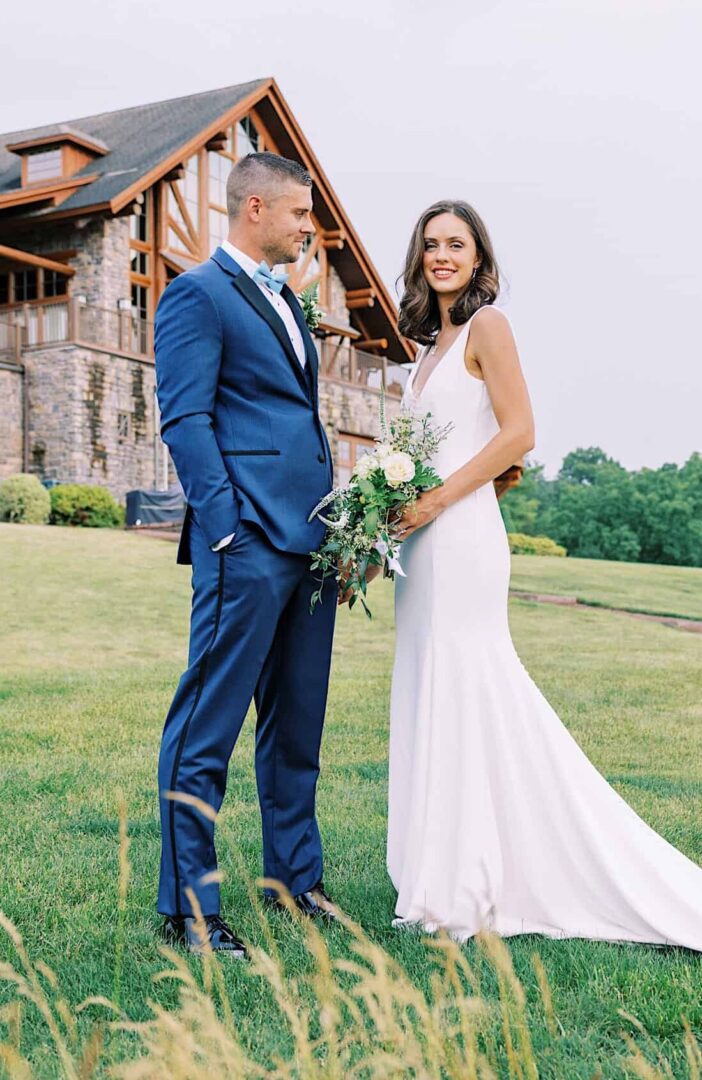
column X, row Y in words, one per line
column 239, row 414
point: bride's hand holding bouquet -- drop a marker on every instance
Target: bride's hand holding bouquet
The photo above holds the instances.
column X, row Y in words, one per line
column 369, row 516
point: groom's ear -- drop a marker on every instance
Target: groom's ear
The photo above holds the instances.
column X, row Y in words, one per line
column 254, row 206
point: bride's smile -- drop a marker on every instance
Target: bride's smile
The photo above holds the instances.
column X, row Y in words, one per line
column 450, row 254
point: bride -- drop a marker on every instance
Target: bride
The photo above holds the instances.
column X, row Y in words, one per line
column 497, row 819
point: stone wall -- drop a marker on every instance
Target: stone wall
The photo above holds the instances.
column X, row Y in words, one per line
column 91, row 418
column 101, row 261
column 336, row 296
column 11, row 426
column 351, row 409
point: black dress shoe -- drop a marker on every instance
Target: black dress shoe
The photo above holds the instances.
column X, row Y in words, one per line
column 181, row 930
column 315, row 903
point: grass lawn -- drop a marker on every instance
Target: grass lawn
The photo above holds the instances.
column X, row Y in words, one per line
column 93, row 626
column 657, row 590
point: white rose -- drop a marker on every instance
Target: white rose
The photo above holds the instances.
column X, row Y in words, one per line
column 398, row 469
column 365, row 465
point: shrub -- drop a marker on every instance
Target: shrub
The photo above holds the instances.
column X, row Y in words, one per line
column 519, row 544
column 84, row 504
column 24, row 499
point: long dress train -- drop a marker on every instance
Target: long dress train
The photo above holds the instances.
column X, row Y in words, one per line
column 497, row 819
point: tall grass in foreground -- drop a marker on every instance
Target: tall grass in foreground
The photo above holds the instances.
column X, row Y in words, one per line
column 359, row 1018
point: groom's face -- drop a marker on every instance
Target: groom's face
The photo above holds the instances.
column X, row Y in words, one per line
column 285, row 222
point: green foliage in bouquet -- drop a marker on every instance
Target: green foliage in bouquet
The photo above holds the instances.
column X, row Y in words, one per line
column 24, row 500
column 309, row 300
column 87, row 505
column 363, row 513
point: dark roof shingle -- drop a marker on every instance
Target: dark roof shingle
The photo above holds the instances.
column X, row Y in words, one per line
column 139, row 138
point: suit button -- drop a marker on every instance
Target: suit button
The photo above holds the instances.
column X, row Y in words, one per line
column 320, row 458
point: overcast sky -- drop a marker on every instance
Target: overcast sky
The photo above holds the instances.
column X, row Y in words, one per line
column 572, row 125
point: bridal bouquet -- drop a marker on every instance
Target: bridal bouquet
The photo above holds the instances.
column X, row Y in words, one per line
column 362, row 514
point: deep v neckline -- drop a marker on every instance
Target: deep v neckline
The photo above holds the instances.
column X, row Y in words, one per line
column 420, row 364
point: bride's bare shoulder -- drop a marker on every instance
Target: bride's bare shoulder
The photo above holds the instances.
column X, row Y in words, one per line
column 489, row 320
column 490, row 336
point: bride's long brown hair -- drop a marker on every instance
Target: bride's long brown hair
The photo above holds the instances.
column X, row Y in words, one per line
column 420, row 319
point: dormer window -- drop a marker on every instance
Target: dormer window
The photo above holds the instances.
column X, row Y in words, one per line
column 49, row 160
column 44, row 165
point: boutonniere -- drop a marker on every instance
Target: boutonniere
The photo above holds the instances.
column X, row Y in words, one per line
column 309, row 298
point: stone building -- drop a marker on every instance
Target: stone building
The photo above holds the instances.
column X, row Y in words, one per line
column 97, row 215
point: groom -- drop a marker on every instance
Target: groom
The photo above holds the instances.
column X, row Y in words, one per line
column 237, row 388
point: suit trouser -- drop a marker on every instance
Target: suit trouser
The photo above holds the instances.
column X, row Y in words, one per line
column 251, row 636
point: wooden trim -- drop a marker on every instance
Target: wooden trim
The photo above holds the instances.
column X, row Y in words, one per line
column 333, row 239
column 183, row 237
column 74, row 159
column 35, row 193
column 139, row 279
column 267, row 137
column 334, row 329
column 55, row 140
column 43, row 301
column 178, row 196
column 203, row 179
column 62, row 215
column 189, row 148
column 35, row 260
column 330, row 197
column 372, row 343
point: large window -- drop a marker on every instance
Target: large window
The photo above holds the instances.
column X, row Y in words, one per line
column 44, row 165
column 248, row 140
column 141, row 265
column 219, row 227
column 26, row 285
column 139, row 226
column 191, row 191
column 242, row 139
column 55, row 284
column 219, row 167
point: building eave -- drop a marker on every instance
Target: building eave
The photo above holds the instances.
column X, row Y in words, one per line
column 124, row 198
column 14, row 255
column 44, row 192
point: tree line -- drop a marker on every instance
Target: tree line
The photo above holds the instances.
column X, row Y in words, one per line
column 597, row 509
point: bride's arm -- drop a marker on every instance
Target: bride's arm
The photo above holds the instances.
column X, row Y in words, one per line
column 492, row 344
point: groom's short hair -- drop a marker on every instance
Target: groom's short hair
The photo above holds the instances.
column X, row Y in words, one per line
column 261, row 174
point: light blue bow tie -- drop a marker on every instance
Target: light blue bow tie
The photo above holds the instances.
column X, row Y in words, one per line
column 263, row 275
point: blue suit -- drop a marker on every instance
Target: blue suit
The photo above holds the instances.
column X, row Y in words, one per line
column 240, row 416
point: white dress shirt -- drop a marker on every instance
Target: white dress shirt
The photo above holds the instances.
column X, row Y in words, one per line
column 279, row 304
column 282, row 308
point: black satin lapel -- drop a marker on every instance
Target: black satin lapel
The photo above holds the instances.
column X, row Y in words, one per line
column 299, row 316
column 250, row 290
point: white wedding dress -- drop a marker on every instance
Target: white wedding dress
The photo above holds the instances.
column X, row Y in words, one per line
column 497, row 819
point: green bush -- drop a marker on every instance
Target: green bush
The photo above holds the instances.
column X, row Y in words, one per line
column 519, row 544
column 24, row 499
column 85, row 504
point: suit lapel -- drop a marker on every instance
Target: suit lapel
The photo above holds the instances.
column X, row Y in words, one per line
column 251, row 292
column 310, row 350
